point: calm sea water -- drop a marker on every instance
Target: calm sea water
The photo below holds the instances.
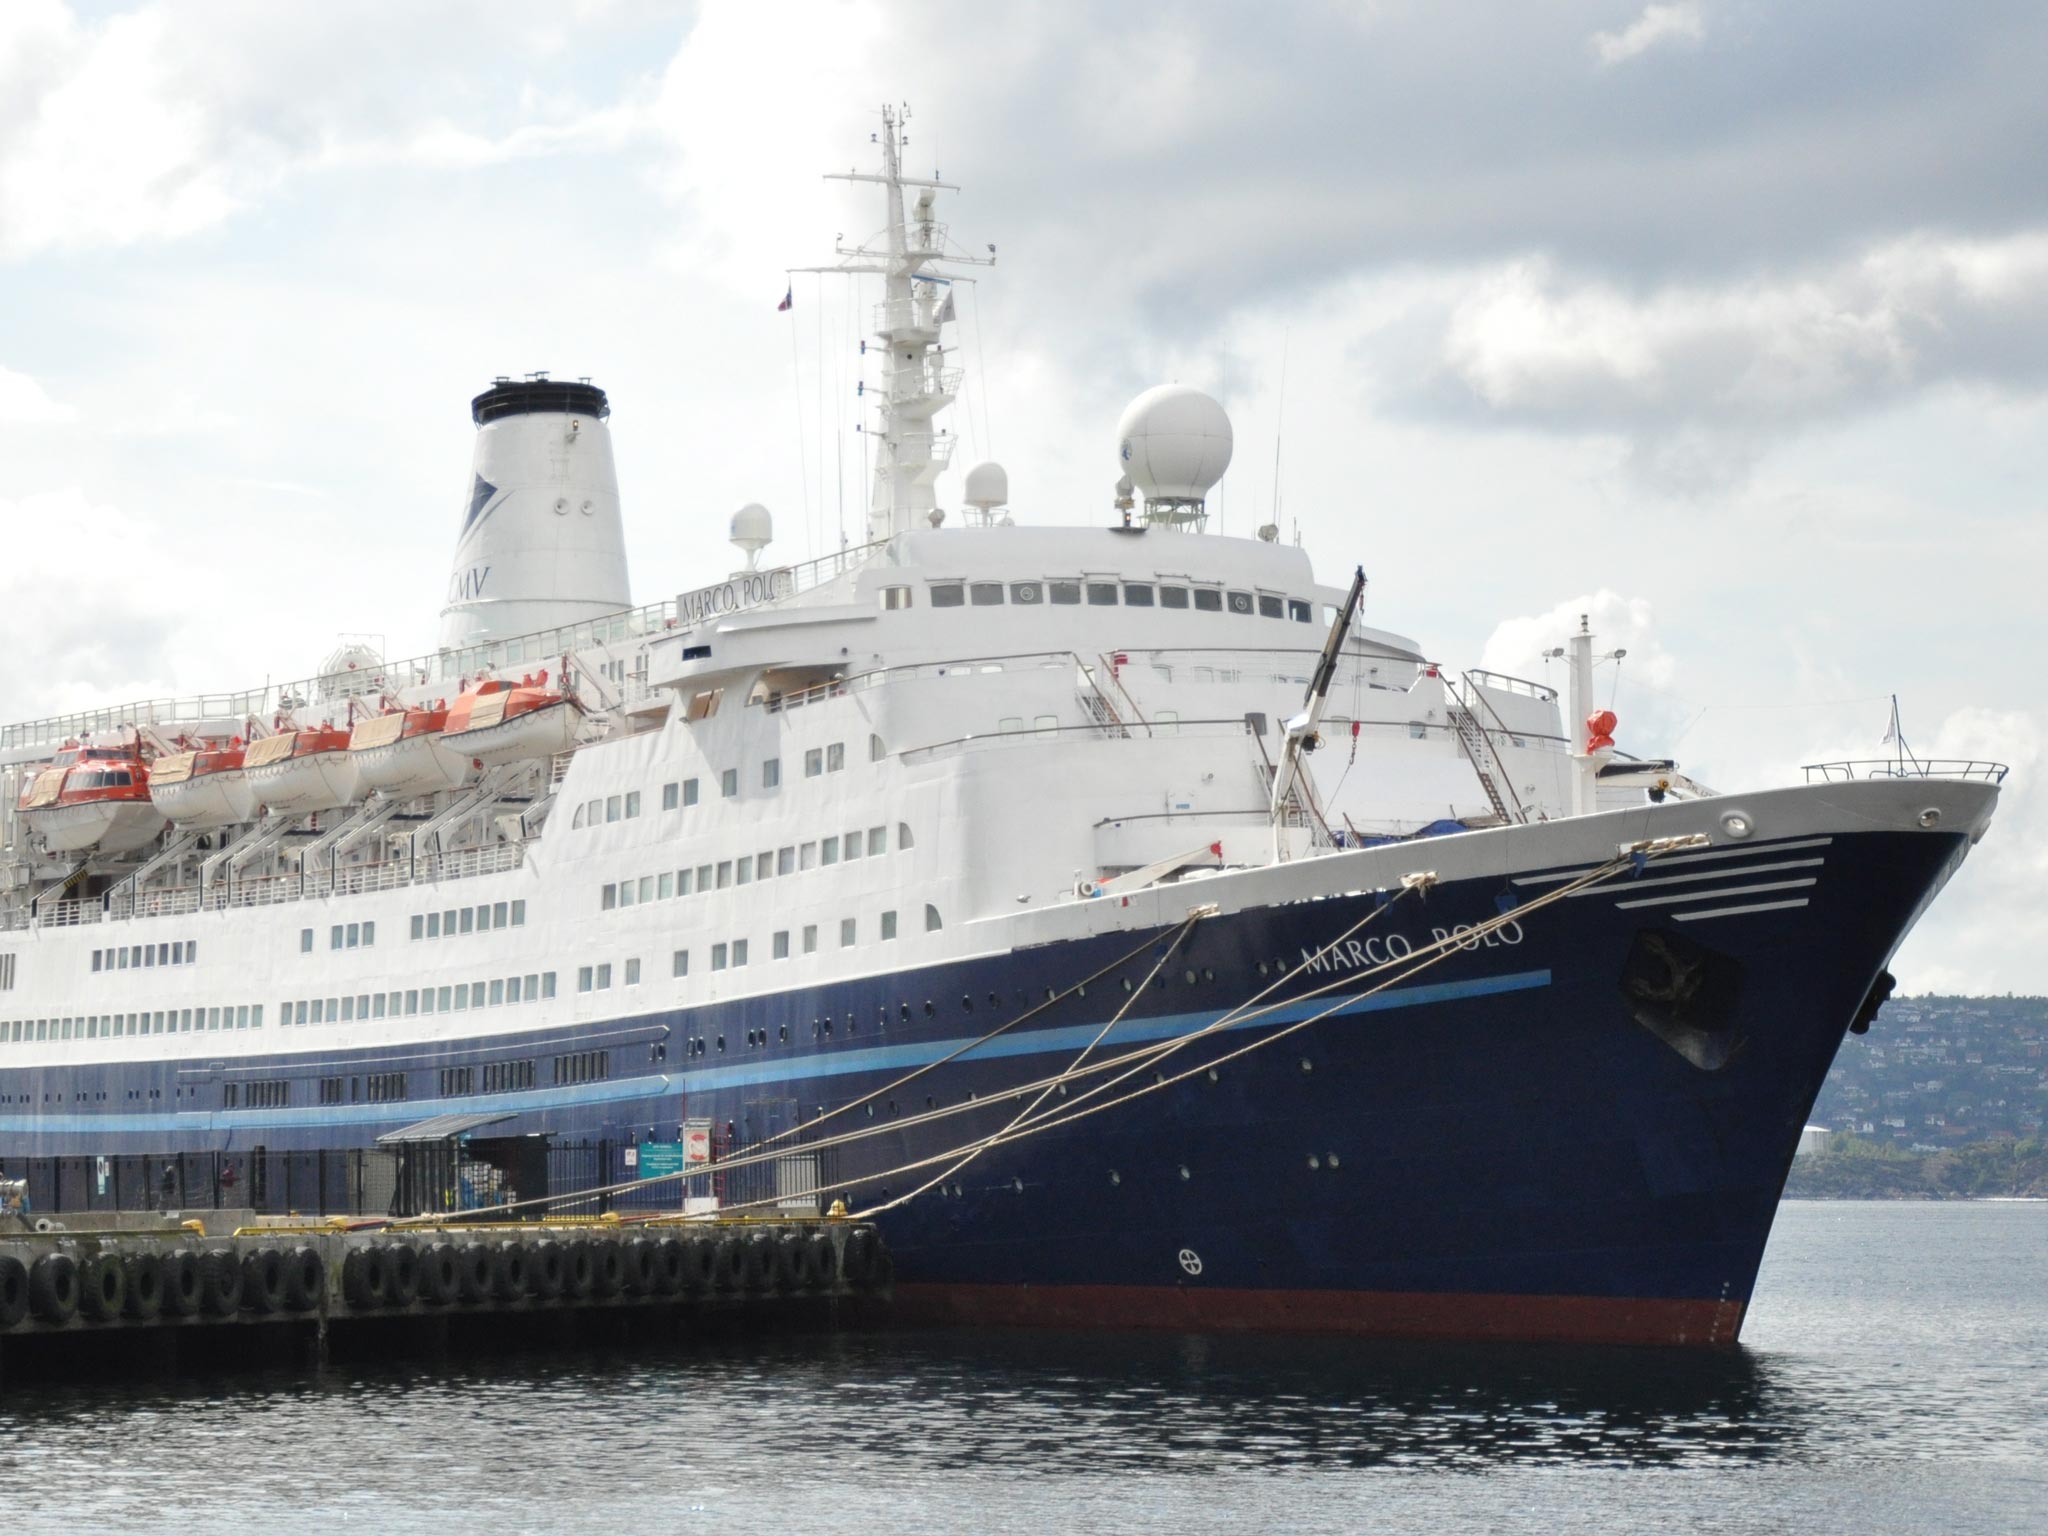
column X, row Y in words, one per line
column 1894, row 1379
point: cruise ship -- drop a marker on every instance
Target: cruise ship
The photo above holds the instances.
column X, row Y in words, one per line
column 1142, row 936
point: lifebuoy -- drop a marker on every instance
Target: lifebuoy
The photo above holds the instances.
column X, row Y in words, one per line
column 53, row 1288
column 305, row 1277
column 144, row 1274
column 102, row 1288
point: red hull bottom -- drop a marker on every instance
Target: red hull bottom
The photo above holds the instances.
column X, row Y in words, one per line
column 1380, row 1314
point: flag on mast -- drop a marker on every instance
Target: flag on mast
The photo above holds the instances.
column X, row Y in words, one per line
column 788, row 299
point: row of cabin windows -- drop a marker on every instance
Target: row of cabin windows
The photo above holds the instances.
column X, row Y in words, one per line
column 1109, row 594
column 733, row 953
column 342, row 936
column 481, row 918
column 768, row 864
column 583, row 1067
column 132, row 957
column 598, row 977
column 274, row 1093
column 681, row 793
column 457, row 1082
column 456, row 997
column 166, row 1021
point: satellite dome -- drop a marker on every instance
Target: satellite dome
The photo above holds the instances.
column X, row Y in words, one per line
column 752, row 528
column 1174, row 442
column 988, row 486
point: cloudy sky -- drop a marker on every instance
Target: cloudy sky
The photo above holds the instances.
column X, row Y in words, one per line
column 1725, row 321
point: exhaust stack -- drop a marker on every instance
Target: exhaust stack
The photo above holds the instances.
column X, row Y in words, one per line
column 541, row 542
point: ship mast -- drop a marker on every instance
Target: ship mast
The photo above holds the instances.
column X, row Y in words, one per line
column 911, row 255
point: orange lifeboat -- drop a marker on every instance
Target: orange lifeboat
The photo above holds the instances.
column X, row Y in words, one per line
column 499, row 722
column 206, row 787
column 296, row 772
column 403, row 755
column 92, row 797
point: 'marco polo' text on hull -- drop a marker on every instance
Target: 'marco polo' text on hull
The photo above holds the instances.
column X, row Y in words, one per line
column 1141, row 935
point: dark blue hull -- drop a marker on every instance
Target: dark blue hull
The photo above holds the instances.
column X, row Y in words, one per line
column 1577, row 1129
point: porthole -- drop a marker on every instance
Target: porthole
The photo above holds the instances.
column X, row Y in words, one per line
column 906, row 1013
column 1307, row 1065
column 1332, row 1159
column 1263, row 969
column 967, row 1005
column 1189, row 977
column 1127, row 984
column 1207, row 974
column 994, row 1001
column 1184, row 1174
column 1314, row 1162
column 929, row 1010
column 1115, row 1177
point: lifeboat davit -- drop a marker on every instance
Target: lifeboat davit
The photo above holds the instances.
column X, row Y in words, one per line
column 403, row 754
column 499, row 722
column 296, row 772
column 92, row 797
column 207, row 787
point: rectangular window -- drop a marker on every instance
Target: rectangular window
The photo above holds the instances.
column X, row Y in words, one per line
column 718, row 957
column 724, row 873
column 469, row 919
column 461, row 996
column 810, row 938
column 512, row 989
column 1066, row 594
column 1173, row 597
column 611, row 808
column 632, row 803
column 746, row 872
column 1299, row 611
column 703, row 878
column 764, row 864
column 888, row 925
column 608, row 896
column 1269, row 606
column 689, row 792
column 519, row 914
column 729, row 783
column 846, row 933
column 633, row 973
column 583, row 978
column 785, row 861
column 501, row 914
column 835, row 757
column 807, row 856
column 625, row 893
column 664, row 886
column 948, row 594
column 814, row 762
column 305, row 947
column 878, row 841
column 682, row 882
column 739, row 953
column 829, row 851
column 679, row 963
column 778, row 945
column 895, row 597
column 671, row 796
column 1208, row 600
column 604, row 976
column 647, row 887
column 96, row 959
column 1239, row 602
column 1137, row 594
column 986, row 594
column 498, row 993
column 433, row 925
column 771, row 772
column 355, row 935
column 547, row 984
column 1027, row 593
column 1102, row 594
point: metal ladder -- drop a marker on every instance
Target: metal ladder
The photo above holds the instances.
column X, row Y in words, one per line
column 1479, row 752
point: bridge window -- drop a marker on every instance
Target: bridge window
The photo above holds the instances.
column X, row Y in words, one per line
column 1299, row 611
column 1173, row 597
column 986, row 594
column 1208, row 600
column 1064, row 593
column 1240, row 602
column 948, row 594
column 1269, row 606
column 1027, row 592
column 895, row 597
column 1137, row 594
column 1102, row 594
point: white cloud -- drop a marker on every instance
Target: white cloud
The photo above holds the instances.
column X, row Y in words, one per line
column 1660, row 25
column 24, row 402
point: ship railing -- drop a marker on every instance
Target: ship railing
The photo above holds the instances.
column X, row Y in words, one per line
column 54, row 730
column 1023, row 735
column 1973, row 769
column 815, row 573
column 1500, row 682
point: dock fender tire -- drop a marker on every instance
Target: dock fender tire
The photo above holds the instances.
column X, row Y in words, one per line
column 13, row 1291
column 727, row 1266
column 545, row 1267
column 144, row 1273
column 440, row 1274
column 672, row 1269
column 757, row 1263
column 181, row 1288
column 508, row 1279
column 789, row 1266
column 263, row 1280
column 700, row 1263
column 477, row 1271
column 53, row 1288
column 366, row 1279
column 305, row 1277
column 401, row 1275
column 220, row 1283
column 824, row 1263
column 607, row 1269
column 643, row 1267
column 102, row 1287
column 857, row 1257
column 579, row 1271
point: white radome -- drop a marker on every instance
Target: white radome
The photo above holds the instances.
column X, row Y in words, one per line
column 1175, row 443
column 753, row 530
column 988, row 487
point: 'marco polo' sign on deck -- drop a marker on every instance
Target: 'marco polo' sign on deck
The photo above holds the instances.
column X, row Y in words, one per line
column 748, row 589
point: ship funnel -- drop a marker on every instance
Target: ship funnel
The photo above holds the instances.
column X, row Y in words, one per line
column 541, row 542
